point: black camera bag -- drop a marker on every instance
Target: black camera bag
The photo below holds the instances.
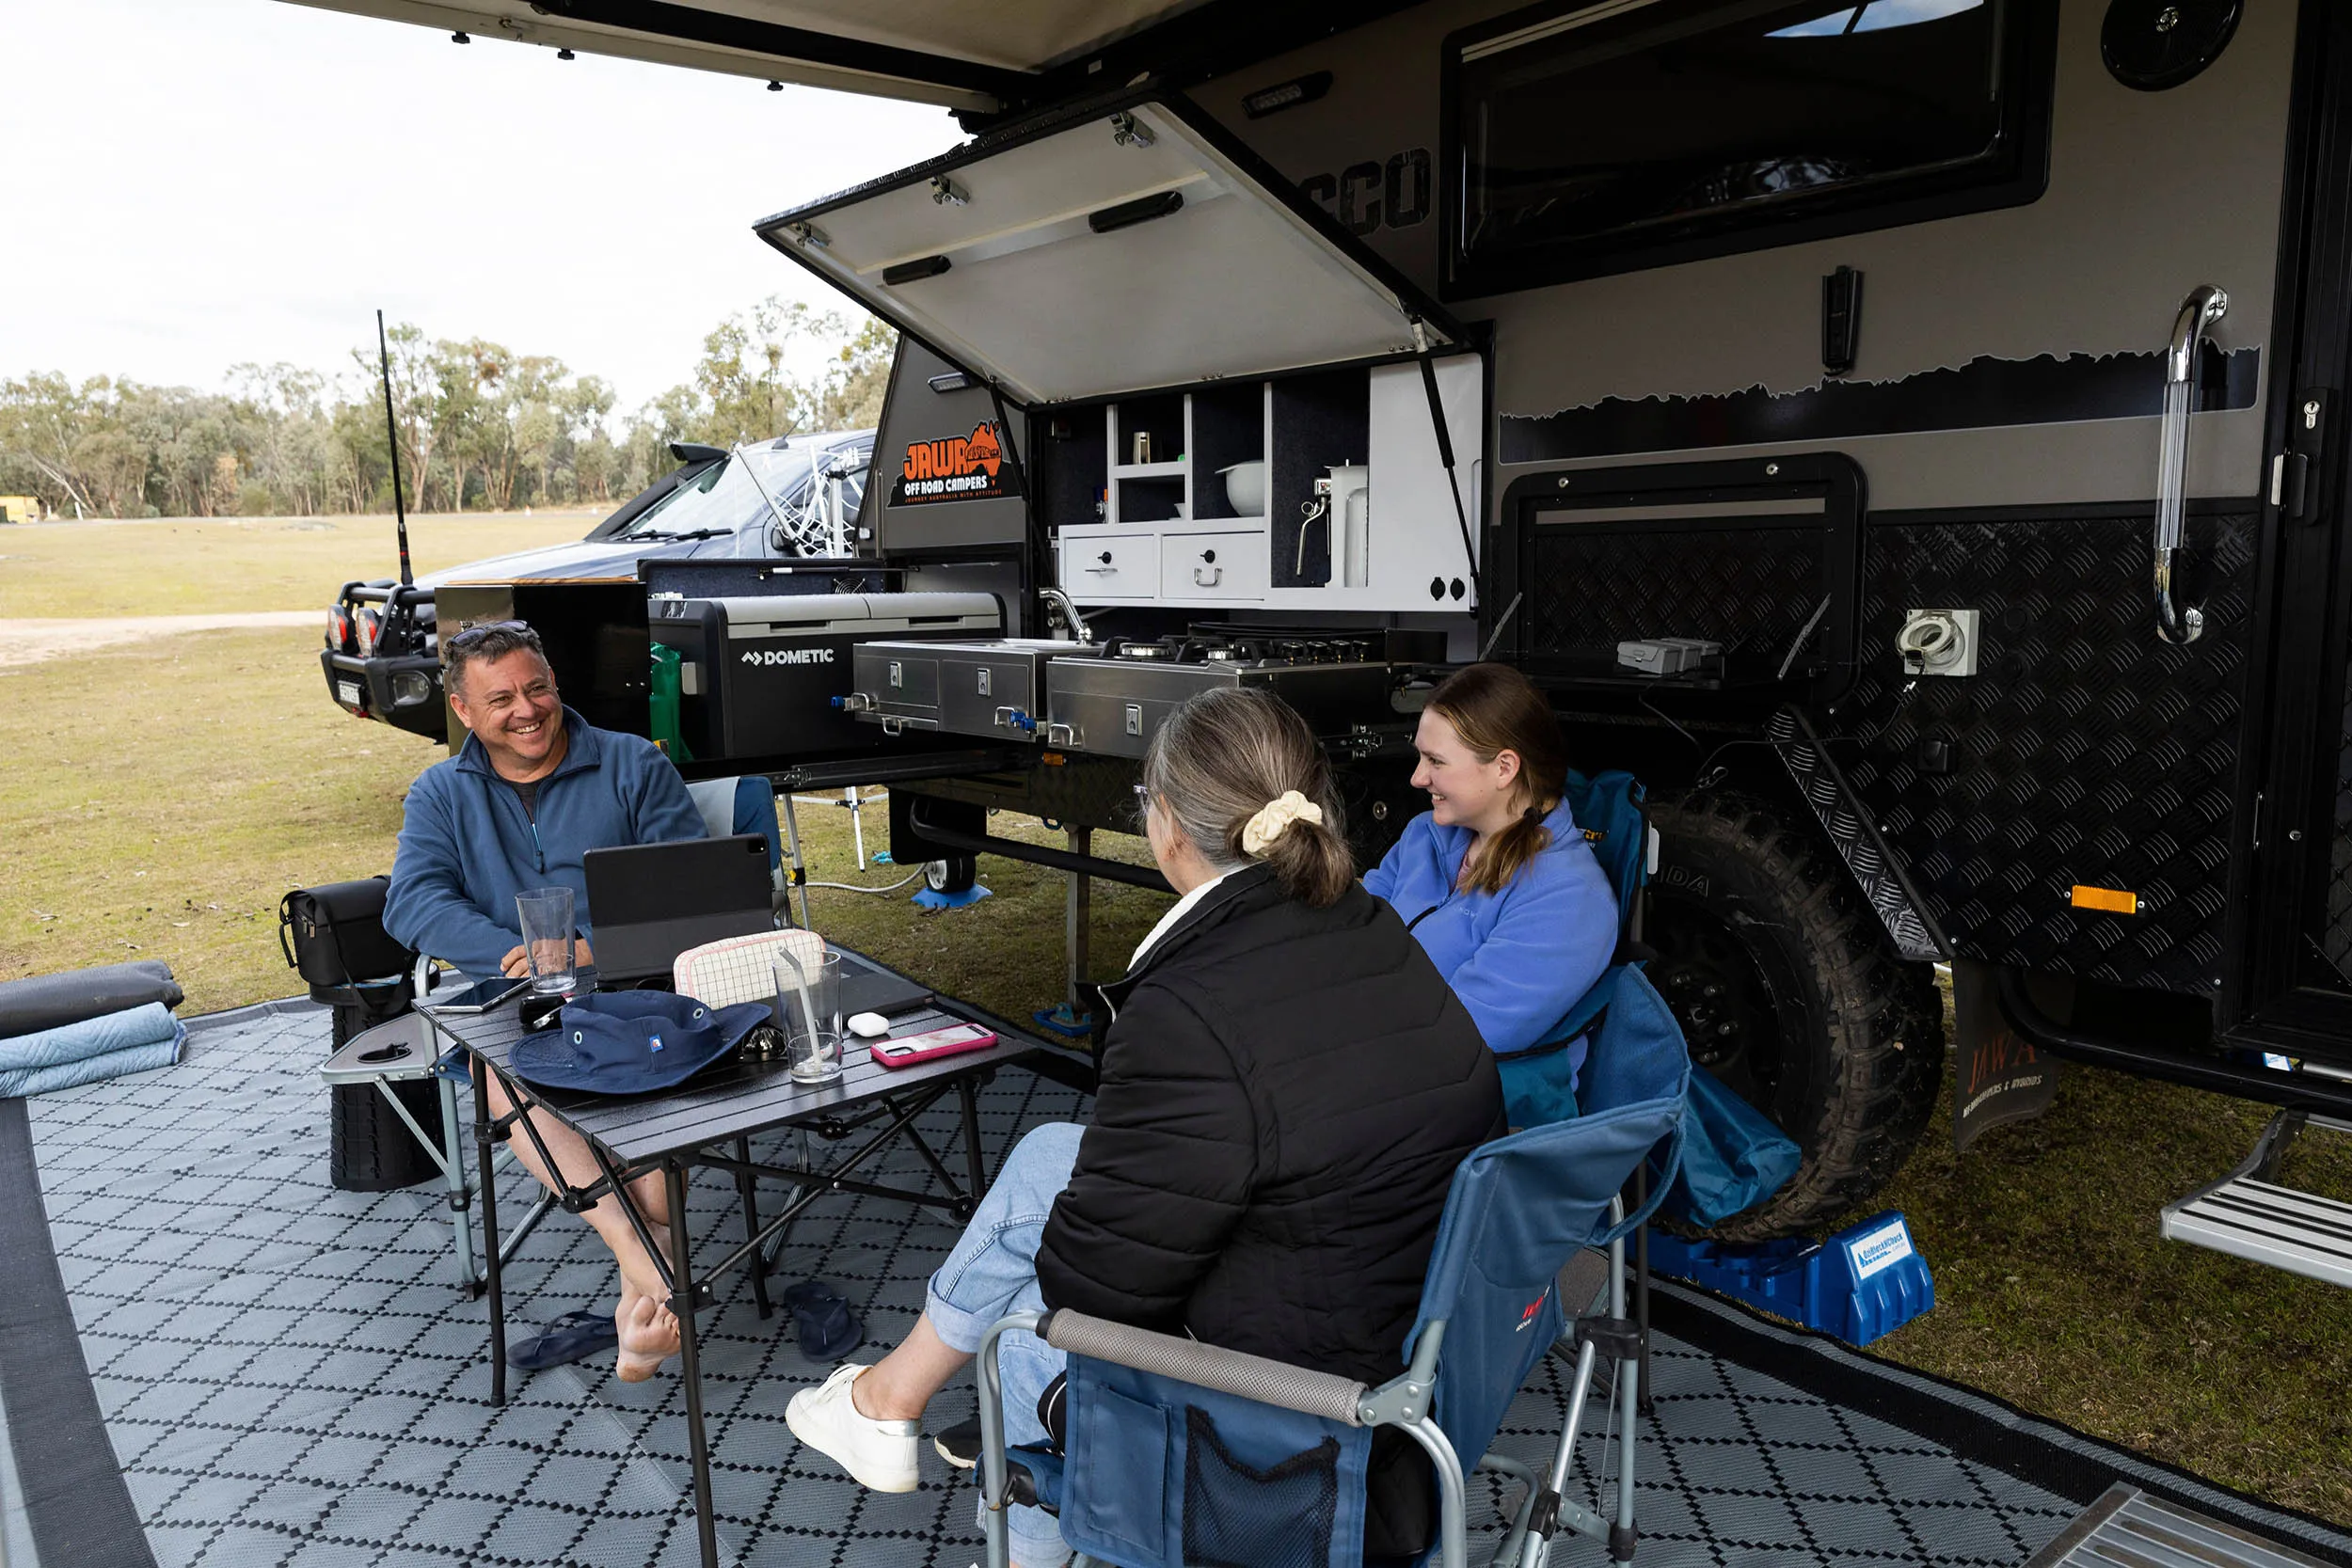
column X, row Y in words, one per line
column 334, row 935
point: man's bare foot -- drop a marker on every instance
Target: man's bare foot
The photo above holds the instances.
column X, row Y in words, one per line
column 649, row 1335
column 640, row 1276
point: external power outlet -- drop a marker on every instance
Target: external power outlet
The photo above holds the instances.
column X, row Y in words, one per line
column 1940, row 642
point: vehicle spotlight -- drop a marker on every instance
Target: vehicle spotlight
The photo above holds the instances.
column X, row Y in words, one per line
column 412, row 687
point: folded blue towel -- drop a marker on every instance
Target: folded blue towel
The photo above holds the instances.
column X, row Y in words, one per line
column 90, row 1070
column 150, row 1024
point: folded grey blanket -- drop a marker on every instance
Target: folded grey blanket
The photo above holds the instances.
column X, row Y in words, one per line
column 49, row 1000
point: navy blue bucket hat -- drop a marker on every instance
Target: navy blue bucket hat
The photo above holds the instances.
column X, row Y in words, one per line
column 631, row 1042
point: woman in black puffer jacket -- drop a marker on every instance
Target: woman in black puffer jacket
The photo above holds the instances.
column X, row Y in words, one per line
column 1287, row 1087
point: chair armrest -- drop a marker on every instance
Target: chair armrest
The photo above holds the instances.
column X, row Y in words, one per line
column 1228, row 1371
column 1629, row 1224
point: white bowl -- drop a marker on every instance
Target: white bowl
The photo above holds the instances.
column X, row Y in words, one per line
column 1245, row 488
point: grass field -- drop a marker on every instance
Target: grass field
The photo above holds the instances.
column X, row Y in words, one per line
column 159, row 800
column 192, row 566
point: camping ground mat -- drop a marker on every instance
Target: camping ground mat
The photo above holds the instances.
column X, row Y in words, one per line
column 280, row 1375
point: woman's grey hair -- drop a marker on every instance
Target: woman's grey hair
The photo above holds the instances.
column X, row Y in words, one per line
column 1224, row 756
column 482, row 644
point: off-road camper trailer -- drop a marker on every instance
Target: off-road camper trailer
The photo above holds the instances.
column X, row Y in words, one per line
column 1940, row 397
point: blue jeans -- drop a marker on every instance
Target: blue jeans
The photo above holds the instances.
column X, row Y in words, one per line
column 992, row 1271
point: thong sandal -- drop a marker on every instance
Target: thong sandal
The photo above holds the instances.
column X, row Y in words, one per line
column 826, row 1327
column 573, row 1337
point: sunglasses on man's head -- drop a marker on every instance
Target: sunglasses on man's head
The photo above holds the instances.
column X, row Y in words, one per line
column 475, row 636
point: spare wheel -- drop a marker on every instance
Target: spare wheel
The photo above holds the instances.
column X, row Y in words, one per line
column 1789, row 993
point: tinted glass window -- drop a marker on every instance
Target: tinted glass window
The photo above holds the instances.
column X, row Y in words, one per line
column 1657, row 123
column 794, row 497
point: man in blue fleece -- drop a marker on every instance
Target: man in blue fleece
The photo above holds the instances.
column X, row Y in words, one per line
column 535, row 788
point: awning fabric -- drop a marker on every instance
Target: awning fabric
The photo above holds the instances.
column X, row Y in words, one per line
column 969, row 56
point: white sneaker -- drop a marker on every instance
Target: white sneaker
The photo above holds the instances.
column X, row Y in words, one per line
column 879, row 1454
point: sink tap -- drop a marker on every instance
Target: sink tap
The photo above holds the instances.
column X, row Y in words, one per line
column 1060, row 601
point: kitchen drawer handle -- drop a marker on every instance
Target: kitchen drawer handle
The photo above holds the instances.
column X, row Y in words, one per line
column 1215, row 575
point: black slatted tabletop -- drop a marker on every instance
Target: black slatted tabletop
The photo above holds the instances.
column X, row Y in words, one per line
column 740, row 1098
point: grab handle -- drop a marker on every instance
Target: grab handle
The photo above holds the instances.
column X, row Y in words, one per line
column 2204, row 306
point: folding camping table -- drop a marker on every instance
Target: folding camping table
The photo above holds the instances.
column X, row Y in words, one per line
column 710, row 1121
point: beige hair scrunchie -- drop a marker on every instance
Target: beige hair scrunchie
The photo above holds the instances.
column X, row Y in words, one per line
column 1274, row 819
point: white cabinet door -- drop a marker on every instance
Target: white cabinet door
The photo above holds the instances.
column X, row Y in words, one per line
column 1416, row 534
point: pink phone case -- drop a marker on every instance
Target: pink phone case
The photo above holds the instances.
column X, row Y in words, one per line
column 915, row 1050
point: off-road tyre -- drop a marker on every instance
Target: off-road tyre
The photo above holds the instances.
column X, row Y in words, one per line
column 1789, row 990
column 956, row 874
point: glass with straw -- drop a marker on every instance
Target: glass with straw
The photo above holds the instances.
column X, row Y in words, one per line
column 808, row 1009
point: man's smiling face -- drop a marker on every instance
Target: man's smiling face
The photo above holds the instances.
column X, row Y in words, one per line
column 511, row 704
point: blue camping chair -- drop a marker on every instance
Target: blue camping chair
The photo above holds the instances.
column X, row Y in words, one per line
column 1733, row 1156
column 1180, row 1452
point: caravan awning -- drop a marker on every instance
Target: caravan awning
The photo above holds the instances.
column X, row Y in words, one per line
column 974, row 55
column 1127, row 244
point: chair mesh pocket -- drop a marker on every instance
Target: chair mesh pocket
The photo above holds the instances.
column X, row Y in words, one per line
column 1237, row 1515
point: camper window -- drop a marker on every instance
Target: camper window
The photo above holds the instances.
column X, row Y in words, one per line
column 1606, row 137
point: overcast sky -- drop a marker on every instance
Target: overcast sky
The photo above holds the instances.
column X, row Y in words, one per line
column 189, row 183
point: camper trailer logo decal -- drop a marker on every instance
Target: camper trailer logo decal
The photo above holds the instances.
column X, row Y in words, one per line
column 960, row 468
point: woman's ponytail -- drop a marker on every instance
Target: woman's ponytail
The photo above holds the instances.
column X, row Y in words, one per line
column 1311, row 862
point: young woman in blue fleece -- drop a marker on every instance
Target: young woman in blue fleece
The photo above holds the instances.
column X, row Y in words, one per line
column 1497, row 882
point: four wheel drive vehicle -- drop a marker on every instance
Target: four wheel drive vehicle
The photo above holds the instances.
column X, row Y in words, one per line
column 1990, row 613
column 794, row 496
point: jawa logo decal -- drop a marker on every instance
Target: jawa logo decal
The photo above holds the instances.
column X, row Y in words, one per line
column 960, row 468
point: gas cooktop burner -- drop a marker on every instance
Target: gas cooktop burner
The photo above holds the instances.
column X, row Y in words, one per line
column 1247, row 650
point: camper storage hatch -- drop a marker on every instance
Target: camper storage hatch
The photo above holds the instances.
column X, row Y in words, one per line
column 1230, row 402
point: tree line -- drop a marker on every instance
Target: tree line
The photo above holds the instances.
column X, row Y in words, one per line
column 480, row 426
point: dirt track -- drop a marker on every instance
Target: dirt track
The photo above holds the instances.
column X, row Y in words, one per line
column 30, row 640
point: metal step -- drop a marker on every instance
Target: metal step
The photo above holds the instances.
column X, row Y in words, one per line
column 2249, row 1216
column 2128, row 1528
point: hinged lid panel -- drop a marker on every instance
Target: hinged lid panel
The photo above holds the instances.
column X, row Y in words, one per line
column 1126, row 249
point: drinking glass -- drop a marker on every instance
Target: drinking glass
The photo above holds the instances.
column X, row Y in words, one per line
column 546, row 917
column 808, row 1010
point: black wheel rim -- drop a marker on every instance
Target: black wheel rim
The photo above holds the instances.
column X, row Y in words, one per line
column 1717, row 989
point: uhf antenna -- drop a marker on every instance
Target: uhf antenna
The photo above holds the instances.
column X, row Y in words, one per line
column 391, row 434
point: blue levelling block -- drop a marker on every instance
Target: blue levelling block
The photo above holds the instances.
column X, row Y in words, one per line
column 965, row 900
column 1865, row 1281
column 1059, row 1019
